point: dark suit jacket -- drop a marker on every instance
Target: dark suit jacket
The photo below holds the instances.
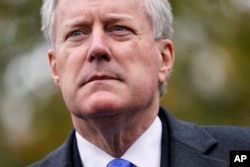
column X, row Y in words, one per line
column 183, row 145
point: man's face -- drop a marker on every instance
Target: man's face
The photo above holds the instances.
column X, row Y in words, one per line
column 106, row 60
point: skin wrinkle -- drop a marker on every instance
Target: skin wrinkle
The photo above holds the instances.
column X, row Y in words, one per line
column 110, row 113
column 115, row 142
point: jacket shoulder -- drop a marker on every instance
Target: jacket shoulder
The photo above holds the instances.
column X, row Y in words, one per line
column 199, row 144
column 50, row 159
column 236, row 138
column 60, row 157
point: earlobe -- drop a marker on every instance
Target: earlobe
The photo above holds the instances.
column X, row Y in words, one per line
column 167, row 59
column 53, row 66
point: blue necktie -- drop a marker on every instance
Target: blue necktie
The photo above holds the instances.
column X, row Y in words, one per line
column 118, row 162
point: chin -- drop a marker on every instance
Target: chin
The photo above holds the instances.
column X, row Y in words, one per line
column 102, row 106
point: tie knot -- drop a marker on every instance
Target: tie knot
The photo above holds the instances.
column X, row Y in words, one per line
column 119, row 162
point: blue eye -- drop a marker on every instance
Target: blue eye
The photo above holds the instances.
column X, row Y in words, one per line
column 119, row 28
column 76, row 33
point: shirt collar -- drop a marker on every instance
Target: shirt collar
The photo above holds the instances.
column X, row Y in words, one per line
column 145, row 152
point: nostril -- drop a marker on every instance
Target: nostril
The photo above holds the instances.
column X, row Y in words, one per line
column 105, row 57
column 92, row 58
column 99, row 57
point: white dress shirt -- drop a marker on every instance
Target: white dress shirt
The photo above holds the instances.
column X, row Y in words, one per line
column 145, row 152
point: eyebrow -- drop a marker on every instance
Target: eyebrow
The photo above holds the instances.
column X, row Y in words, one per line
column 81, row 21
column 76, row 22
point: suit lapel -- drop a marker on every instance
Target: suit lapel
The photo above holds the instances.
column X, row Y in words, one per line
column 185, row 144
column 76, row 155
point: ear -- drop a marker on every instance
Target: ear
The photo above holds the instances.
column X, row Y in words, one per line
column 53, row 66
column 166, row 49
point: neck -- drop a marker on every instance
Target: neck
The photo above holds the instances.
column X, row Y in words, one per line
column 115, row 134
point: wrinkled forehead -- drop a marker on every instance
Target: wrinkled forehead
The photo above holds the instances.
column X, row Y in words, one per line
column 76, row 7
column 70, row 12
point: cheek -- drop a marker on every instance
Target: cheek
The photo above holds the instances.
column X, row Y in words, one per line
column 69, row 65
column 143, row 67
column 147, row 62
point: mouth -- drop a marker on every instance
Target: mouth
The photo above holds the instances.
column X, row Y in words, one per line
column 100, row 78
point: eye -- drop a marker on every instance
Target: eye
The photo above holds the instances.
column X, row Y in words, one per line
column 75, row 33
column 119, row 28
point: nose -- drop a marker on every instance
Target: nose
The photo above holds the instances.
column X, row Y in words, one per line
column 99, row 49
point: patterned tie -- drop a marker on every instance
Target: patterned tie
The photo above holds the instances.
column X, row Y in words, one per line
column 118, row 162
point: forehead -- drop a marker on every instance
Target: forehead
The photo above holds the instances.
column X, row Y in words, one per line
column 74, row 8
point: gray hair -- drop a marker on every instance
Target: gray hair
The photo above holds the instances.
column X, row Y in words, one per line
column 159, row 12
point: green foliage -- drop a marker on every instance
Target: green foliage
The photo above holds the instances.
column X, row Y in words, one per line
column 215, row 30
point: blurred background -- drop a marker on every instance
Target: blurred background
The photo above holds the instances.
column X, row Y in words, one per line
column 210, row 83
